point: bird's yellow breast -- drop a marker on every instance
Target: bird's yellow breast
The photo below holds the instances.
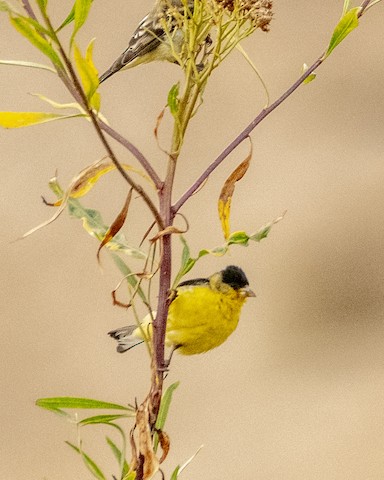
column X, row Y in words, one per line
column 201, row 318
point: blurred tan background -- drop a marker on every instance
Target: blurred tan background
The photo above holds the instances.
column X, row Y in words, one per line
column 297, row 393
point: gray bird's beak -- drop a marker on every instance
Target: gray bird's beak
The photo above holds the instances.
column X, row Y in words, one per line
column 247, row 292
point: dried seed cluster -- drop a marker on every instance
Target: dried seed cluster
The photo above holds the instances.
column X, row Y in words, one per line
column 259, row 12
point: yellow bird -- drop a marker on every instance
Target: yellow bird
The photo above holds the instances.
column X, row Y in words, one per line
column 201, row 316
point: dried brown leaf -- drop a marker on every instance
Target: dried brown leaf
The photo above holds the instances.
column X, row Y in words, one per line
column 117, row 224
column 226, row 194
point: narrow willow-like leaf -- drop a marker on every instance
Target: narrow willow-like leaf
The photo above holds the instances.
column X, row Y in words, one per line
column 90, row 464
column 26, row 27
column 235, row 238
column 119, row 457
column 187, row 462
column 60, row 106
column 27, row 119
column 68, row 19
column 78, row 402
column 81, row 12
column 226, row 194
column 185, row 261
column 346, row 25
column 117, row 224
column 42, row 5
column 165, row 404
column 163, row 412
column 175, row 473
column 88, row 74
column 102, row 419
column 21, row 63
column 131, row 279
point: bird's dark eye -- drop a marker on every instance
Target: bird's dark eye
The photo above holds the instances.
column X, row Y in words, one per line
column 235, row 277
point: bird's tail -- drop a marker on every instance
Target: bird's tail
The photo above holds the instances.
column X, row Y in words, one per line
column 125, row 338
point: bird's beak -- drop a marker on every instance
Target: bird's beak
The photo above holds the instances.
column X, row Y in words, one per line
column 247, row 292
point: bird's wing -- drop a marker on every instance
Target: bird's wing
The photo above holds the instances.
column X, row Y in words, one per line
column 145, row 39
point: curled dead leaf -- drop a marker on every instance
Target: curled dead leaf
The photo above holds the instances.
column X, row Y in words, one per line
column 116, row 224
column 145, row 446
column 225, row 198
column 165, row 444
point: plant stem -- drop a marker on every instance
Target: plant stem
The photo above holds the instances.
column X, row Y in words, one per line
column 84, row 102
column 135, row 151
column 259, row 118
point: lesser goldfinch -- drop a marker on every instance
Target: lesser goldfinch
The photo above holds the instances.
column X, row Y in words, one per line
column 202, row 314
column 149, row 41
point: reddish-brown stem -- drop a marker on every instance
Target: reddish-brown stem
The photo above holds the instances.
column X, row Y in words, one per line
column 77, row 91
column 135, row 152
column 259, row 118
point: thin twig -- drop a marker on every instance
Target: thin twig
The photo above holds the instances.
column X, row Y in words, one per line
column 28, row 9
column 76, row 90
column 84, row 102
column 260, row 117
column 135, row 152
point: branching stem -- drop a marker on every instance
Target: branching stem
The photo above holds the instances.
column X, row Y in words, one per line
column 259, row 118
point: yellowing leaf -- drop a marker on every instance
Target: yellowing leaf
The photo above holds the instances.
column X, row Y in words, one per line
column 79, row 186
column 224, row 205
column 26, row 119
column 60, row 106
column 27, row 27
column 88, row 74
column 347, row 23
column 86, row 179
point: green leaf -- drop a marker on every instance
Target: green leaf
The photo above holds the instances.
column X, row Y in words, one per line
column 8, row 7
column 42, row 5
column 90, row 464
column 118, row 455
column 175, row 473
column 165, row 404
column 94, row 225
column 81, row 12
column 131, row 279
column 163, row 412
column 238, row 238
column 60, row 412
column 235, row 238
column 20, row 63
column 27, row 119
column 186, row 255
column 173, row 100
column 102, row 419
column 347, row 23
column 186, row 261
column 77, row 402
column 310, row 78
column 27, row 27
column 69, row 19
